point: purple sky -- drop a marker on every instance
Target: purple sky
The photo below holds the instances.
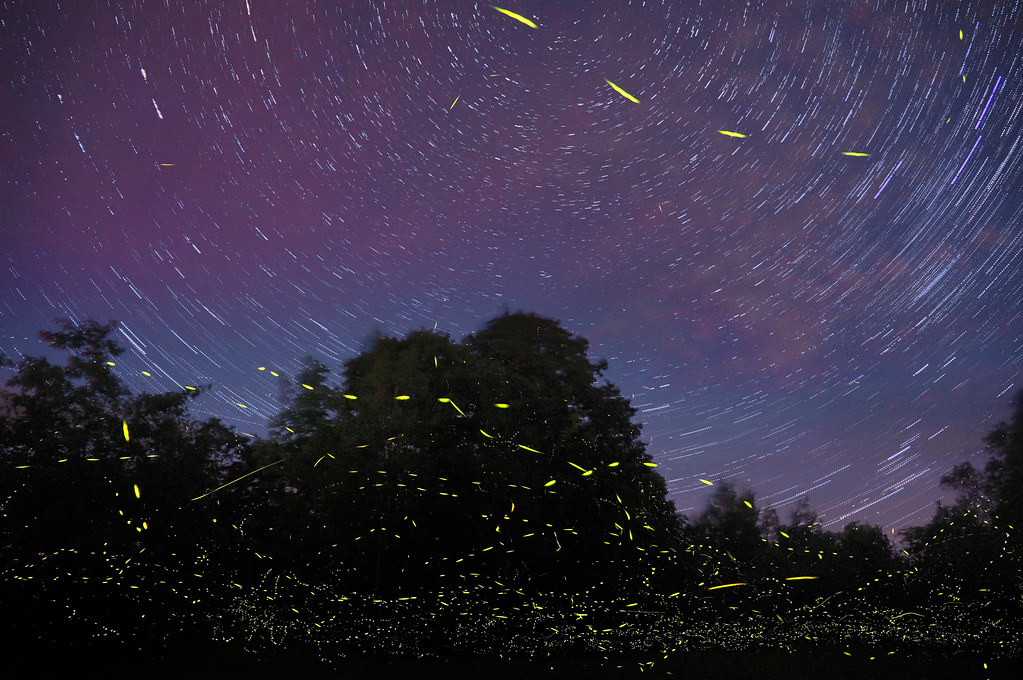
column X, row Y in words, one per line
column 242, row 183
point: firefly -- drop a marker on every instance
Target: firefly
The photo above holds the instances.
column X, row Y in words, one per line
column 517, row 17
column 621, row 91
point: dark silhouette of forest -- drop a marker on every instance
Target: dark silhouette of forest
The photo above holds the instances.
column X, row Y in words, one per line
column 489, row 495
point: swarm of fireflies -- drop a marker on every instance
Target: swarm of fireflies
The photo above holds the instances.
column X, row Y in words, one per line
column 277, row 605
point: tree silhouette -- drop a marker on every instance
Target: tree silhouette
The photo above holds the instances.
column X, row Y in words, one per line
column 502, row 471
column 1004, row 472
column 93, row 477
column 972, row 547
column 503, row 454
column 730, row 524
column 804, row 541
column 865, row 553
column 309, row 404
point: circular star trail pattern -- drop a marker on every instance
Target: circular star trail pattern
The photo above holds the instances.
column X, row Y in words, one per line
column 244, row 183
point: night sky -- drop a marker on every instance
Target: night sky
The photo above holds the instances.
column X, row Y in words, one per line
column 243, row 183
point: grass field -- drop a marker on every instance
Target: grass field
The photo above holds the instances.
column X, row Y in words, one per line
column 225, row 663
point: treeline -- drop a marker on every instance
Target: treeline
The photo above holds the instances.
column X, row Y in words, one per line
column 435, row 483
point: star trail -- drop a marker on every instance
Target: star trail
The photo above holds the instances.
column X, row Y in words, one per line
column 792, row 228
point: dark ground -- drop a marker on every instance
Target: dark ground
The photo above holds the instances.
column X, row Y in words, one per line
column 224, row 663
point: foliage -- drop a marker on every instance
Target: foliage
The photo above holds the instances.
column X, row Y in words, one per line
column 1003, row 477
column 504, row 451
column 489, row 494
column 972, row 547
column 729, row 524
column 91, row 477
column 787, row 565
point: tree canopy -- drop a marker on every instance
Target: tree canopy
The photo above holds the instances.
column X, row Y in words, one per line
column 101, row 456
column 506, row 450
column 499, row 472
column 973, row 546
column 96, row 522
